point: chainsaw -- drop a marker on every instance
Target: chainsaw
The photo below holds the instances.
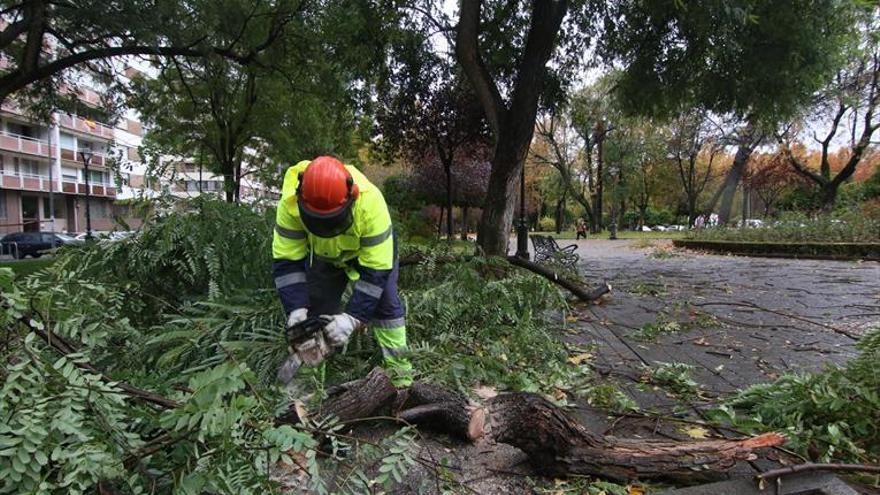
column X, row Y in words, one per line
column 307, row 346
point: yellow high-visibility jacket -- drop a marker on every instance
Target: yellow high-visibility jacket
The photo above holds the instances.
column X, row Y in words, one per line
column 365, row 251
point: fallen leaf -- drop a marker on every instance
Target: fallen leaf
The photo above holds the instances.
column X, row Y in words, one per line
column 559, row 394
column 577, row 359
column 636, row 490
column 571, row 318
column 701, row 341
column 485, row 392
column 696, row 432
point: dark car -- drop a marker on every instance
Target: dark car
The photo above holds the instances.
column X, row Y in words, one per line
column 21, row 244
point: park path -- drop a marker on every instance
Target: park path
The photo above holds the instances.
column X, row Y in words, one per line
column 741, row 321
column 738, row 320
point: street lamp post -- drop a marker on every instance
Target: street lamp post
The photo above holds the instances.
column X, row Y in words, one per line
column 87, row 159
column 522, row 229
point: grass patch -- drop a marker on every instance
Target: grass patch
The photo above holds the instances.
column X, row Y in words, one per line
column 28, row 266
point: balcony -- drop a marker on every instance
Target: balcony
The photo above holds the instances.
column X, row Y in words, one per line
column 86, row 126
column 96, row 189
column 98, row 160
column 24, row 182
column 25, row 145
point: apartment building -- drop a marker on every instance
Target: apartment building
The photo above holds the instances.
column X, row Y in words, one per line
column 39, row 157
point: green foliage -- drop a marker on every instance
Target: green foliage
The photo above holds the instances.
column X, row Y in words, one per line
column 675, row 378
column 663, row 326
column 546, row 224
column 204, row 249
column 497, row 334
column 826, row 415
column 848, row 227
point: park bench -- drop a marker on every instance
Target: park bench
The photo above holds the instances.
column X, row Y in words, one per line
column 547, row 249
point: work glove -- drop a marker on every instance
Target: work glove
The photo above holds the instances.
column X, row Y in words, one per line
column 297, row 316
column 339, row 329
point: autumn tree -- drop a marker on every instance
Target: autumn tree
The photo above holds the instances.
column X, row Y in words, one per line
column 769, row 176
column 847, row 105
column 693, row 145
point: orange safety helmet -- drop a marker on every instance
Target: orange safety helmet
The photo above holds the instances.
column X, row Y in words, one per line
column 324, row 195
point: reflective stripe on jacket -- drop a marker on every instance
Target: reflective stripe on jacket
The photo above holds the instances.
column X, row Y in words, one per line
column 365, row 250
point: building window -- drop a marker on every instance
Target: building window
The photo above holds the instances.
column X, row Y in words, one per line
column 67, row 141
column 69, row 174
column 98, row 177
column 2, row 203
column 59, row 207
column 23, row 166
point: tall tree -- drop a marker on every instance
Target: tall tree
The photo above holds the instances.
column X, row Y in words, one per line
column 758, row 61
column 595, row 113
column 694, row 144
column 292, row 102
column 42, row 39
column 511, row 119
column 849, row 104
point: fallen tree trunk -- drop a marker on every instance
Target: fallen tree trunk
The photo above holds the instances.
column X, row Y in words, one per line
column 557, row 445
column 570, row 285
column 555, row 442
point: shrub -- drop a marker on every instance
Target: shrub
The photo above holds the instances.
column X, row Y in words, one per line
column 547, row 224
column 792, row 227
column 826, row 415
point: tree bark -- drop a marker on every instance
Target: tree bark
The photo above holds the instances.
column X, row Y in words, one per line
column 512, row 124
column 728, row 190
column 600, row 180
column 447, row 167
column 740, row 160
column 555, row 442
column 569, row 285
column 464, row 222
column 557, row 445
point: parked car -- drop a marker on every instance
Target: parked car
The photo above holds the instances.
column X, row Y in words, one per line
column 645, row 228
column 34, row 244
column 659, row 228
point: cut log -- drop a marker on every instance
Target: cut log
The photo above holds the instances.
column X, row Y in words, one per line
column 439, row 409
column 557, row 445
column 555, row 442
column 359, row 398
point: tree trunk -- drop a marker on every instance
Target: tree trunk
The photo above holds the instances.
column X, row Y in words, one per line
column 464, row 223
column 692, row 209
column 600, row 181
column 229, row 186
column 513, row 123
column 440, row 223
column 731, row 182
column 447, row 167
column 560, row 210
column 829, row 195
column 494, row 232
column 557, row 445
column 555, row 442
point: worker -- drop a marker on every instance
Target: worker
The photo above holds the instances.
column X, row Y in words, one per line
column 333, row 226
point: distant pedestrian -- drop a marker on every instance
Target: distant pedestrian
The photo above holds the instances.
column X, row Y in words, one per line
column 581, row 228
